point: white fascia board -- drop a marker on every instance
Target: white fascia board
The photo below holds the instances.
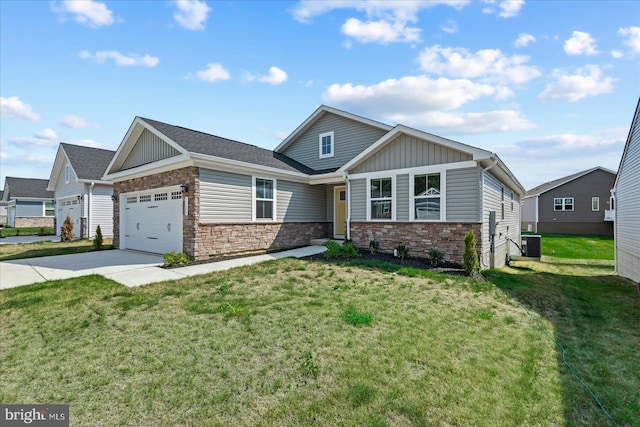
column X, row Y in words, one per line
column 317, row 114
column 33, row 199
column 511, row 181
column 236, row 166
column 56, row 170
column 95, row 181
column 165, row 165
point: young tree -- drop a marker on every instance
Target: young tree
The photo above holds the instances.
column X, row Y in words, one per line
column 66, row 232
column 97, row 239
column 470, row 256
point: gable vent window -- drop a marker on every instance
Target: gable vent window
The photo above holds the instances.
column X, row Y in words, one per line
column 326, row 145
column 67, row 174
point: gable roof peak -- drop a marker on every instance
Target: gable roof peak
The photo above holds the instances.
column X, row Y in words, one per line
column 550, row 185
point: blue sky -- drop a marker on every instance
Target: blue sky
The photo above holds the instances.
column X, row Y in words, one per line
column 550, row 86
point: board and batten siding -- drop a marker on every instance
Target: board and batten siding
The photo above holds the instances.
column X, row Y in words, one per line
column 148, row 148
column 508, row 228
column 401, row 197
column 463, row 195
column 350, row 138
column 225, row 197
column 358, row 200
column 627, row 206
column 101, row 210
column 407, row 151
column 298, row 202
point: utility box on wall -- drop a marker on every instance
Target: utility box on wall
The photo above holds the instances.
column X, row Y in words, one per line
column 532, row 246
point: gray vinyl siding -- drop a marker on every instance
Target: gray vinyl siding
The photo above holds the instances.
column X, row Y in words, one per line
column 297, row 202
column 358, row 200
column 225, row 197
column 627, row 223
column 149, row 148
column 24, row 208
column 463, row 195
column 350, row 138
column 492, row 201
column 406, row 151
column 65, row 190
column 401, row 197
column 101, row 210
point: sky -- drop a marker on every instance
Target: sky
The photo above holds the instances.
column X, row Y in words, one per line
column 550, row 86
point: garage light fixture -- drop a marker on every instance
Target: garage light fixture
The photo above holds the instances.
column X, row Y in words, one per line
column 79, row 197
column 184, row 188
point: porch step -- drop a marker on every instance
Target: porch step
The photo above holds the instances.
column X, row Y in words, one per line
column 320, row 242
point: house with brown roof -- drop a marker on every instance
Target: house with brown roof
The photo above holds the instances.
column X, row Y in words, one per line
column 576, row 204
column 29, row 203
column 338, row 175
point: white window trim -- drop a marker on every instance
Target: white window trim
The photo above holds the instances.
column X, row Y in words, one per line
column 443, row 193
column 67, row 174
column 573, row 204
column 254, row 199
column 44, row 209
column 597, row 199
column 322, row 135
column 393, row 197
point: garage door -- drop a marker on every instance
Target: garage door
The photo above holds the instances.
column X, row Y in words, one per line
column 153, row 221
column 73, row 208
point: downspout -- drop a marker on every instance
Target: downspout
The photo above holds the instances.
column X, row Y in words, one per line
column 482, row 260
column 89, row 209
column 348, row 231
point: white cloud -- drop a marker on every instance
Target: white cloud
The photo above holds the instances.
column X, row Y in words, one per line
column 88, row 12
column 450, row 27
column 408, row 95
column 280, row 135
column 13, row 107
column 120, row 60
column 191, row 14
column 3, row 155
column 40, row 160
column 587, row 81
column 465, row 123
column 45, row 138
column 276, row 76
column 76, row 122
column 580, row 43
column 631, row 37
column 510, row 8
column 524, row 39
column 554, row 146
column 381, row 31
column 490, row 64
column 213, row 73
column 616, row 54
column 88, row 143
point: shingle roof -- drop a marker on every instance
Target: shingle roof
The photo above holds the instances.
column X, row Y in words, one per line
column 28, row 188
column 204, row 143
column 543, row 188
column 87, row 162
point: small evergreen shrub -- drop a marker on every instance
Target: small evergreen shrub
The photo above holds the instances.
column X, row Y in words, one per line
column 333, row 249
column 374, row 246
column 175, row 258
column 402, row 251
column 97, row 239
column 348, row 250
column 66, row 231
column 436, row 257
column 470, row 261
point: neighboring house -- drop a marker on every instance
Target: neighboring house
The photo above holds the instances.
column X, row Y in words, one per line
column 29, row 203
column 3, row 209
column 576, row 204
column 627, row 210
column 80, row 192
column 337, row 175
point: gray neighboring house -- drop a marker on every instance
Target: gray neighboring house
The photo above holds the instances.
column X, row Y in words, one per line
column 80, row 192
column 575, row 204
column 3, row 209
column 337, row 175
column 29, row 203
column 627, row 210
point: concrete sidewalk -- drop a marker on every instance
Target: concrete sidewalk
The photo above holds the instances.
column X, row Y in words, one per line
column 129, row 268
column 14, row 240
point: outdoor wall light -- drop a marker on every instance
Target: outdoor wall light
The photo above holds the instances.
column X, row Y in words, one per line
column 79, row 197
column 184, row 188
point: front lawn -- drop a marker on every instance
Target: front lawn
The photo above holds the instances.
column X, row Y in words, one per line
column 297, row 342
column 577, row 247
column 40, row 249
column 26, row 231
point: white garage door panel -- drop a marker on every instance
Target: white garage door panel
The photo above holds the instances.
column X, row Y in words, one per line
column 153, row 222
column 73, row 208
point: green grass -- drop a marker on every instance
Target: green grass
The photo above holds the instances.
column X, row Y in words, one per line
column 271, row 344
column 577, row 247
column 26, row 231
column 49, row 248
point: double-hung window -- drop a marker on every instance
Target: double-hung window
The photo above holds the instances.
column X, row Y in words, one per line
column 563, row 204
column 381, row 198
column 427, row 197
column 49, row 209
column 326, row 145
column 595, row 204
column 264, row 199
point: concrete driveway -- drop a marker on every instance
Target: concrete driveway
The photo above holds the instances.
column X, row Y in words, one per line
column 129, row 268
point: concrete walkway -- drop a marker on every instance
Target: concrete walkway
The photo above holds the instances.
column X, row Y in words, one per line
column 13, row 240
column 129, row 268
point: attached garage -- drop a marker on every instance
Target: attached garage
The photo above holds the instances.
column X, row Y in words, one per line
column 151, row 221
column 73, row 208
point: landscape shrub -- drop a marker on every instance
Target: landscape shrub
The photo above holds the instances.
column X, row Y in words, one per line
column 402, row 251
column 348, row 250
column 66, row 231
column 334, row 249
column 436, row 257
column 470, row 261
column 374, row 246
column 97, row 239
column 175, row 258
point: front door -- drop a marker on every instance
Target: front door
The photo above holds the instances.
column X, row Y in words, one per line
column 339, row 211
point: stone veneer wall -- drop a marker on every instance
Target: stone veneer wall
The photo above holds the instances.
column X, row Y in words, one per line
column 448, row 237
column 187, row 176
column 33, row 221
column 217, row 239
